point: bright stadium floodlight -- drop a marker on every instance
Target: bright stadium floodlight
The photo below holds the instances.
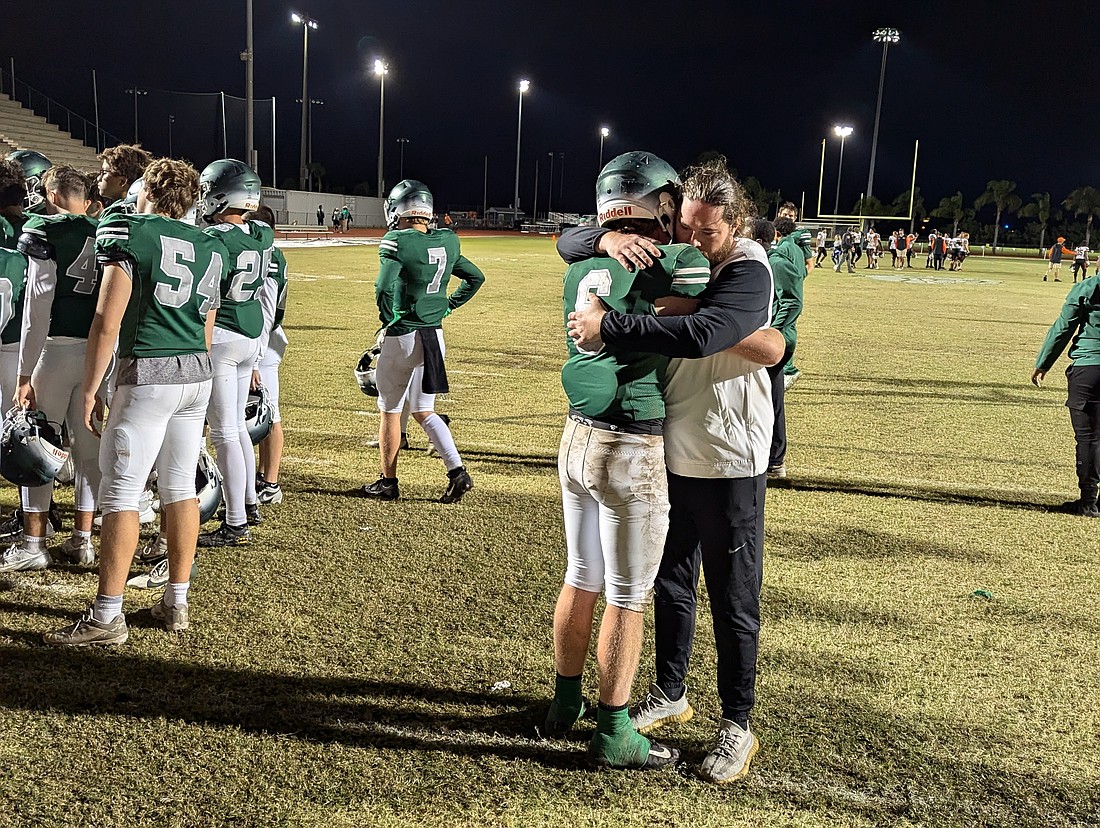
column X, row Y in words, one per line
column 524, row 86
column 885, row 37
column 306, row 23
column 381, row 68
column 840, row 132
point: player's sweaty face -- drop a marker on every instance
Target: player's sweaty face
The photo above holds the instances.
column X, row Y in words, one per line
column 703, row 226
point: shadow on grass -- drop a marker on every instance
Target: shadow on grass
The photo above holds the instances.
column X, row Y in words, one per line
column 783, row 603
column 908, row 492
column 355, row 712
column 845, row 541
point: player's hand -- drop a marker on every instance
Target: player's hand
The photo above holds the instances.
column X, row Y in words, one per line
column 93, row 413
column 631, row 251
column 584, row 326
column 256, row 381
column 24, row 396
column 675, row 306
column 1037, row 377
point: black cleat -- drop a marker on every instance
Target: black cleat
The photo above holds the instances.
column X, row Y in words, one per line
column 459, row 485
column 226, row 535
column 384, row 488
column 252, row 514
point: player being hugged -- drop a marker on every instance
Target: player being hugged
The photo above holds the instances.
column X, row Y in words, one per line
column 227, row 190
column 411, row 291
column 160, row 288
column 611, row 462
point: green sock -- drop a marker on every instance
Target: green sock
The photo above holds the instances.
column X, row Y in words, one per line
column 615, row 741
column 568, row 704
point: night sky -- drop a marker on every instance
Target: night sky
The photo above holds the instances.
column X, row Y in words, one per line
column 991, row 89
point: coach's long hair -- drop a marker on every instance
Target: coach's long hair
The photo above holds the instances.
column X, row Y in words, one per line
column 711, row 182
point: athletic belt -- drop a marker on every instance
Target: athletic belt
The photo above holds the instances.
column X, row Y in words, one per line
column 643, row 427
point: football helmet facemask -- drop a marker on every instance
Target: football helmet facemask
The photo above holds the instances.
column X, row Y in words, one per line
column 257, row 414
column 637, row 185
column 364, row 372
column 30, row 448
column 34, row 166
column 409, row 199
column 227, row 185
column 208, row 486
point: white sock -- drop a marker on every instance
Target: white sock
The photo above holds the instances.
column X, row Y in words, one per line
column 82, row 535
column 441, row 438
column 106, row 608
column 231, row 464
column 34, row 544
column 176, row 594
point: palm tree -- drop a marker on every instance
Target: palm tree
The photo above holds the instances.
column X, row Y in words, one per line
column 1039, row 209
column 952, row 208
column 316, row 173
column 900, row 206
column 1084, row 201
column 999, row 194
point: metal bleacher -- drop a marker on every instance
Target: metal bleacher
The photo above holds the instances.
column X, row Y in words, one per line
column 20, row 129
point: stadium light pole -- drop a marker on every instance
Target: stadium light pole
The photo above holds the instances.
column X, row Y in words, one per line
column 885, row 37
column 550, row 189
column 171, row 120
column 841, row 132
column 524, row 85
column 604, row 132
column 309, row 140
column 136, row 92
column 380, row 70
column 249, row 97
column 306, row 23
column 401, row 167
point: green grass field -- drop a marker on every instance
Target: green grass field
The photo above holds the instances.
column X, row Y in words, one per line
column 341, row 670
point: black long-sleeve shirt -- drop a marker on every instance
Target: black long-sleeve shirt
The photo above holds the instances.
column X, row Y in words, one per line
column 735, row 303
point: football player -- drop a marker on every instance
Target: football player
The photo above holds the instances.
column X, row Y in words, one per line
column 611, row 463
column 16, row 192
column 228, row 189
column 120, row 167
column 411, row 291
column 60, row 298
column 161, row 284
column 273, row 344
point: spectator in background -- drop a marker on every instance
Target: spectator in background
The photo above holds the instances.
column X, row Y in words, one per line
column 910, row 243
column 1055, row 254
column 320, row 215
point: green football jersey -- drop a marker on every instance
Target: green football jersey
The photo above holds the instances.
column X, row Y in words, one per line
column 117, row 208
column 66, row 244
column 278, row 275
column 249, row 247
column 176, row 272
column 10, row 332
column 623, row 386
column 411, row 289
column 13, row 275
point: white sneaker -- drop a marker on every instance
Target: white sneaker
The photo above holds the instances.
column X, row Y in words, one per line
column 78, row 551
column 657, row 709
column 732, row 754
column 157, row 576
column 790, row 379
column 17, row 558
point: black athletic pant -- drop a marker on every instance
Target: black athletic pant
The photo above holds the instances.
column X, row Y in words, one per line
column 1082, row 267
column 909, row 257
column 937, row 261
column 1084, row 413
column 821, row 254
column 779, row 429
column 719, row 523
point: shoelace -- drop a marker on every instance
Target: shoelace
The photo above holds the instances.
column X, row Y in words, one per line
column 728, row 743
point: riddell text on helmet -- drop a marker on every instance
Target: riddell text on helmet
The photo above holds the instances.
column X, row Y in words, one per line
column 625, row 211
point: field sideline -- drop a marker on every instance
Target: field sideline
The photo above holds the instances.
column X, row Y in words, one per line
column 349, row 668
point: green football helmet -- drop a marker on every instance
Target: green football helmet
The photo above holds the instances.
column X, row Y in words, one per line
column 34, row 166
column 227, row 185
column 637, row 185
column 409, row 199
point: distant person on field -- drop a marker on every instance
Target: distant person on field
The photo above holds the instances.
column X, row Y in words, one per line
column 1081, row 262
column 788, row 274
column 320, row 216
column 1054, row 255
column 822, row 246
column 910, row 244
column 1078, row 327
